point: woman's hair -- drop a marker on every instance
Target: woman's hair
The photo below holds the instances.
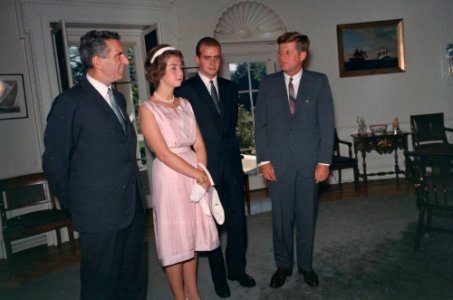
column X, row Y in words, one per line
column 156, row 70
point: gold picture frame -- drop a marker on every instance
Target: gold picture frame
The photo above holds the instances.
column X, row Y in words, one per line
column 13, row 104
column 371, row 48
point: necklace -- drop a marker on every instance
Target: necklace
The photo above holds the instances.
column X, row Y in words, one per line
column 171, row 100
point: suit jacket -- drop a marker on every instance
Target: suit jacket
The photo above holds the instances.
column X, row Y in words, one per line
column 294, row 141
column 218, row 131
column 90, row 162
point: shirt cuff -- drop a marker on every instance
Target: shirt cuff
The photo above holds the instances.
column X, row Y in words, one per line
column 264, row 163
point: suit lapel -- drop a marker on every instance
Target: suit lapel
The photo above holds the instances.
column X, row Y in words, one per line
column 206, row 96
column 283, row 99
column 123, row 109
column 223, row 95
column 302, row 95
column 99, row 102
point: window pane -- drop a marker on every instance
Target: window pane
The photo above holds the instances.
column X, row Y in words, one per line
column 239, row 75
column 77, row 69
column 257, row 71
column 245, row 130
column 255, row 97
column 134, row 87
column 247, row 76
column 244, row 100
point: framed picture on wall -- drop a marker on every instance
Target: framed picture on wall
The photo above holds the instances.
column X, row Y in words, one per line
column 371, row 48
column 13, row 104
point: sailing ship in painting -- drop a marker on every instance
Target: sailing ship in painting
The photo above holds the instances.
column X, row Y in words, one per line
column 358, row 55
column 8, row 95
column 359, row 60
column 383, row 53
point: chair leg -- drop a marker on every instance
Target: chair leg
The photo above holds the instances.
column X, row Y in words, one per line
column 71, row 239
column 420, row 228
column 58, row 230
column 339, row 177
column 247, row 192
column 8, row 248
column 356, row 177
column 429, row 219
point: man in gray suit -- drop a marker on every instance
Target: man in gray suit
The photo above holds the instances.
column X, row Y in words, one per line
column 294, row 130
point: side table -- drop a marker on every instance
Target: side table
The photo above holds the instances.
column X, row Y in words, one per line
column 383, row 144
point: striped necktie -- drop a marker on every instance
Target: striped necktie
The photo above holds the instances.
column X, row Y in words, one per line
column 292, row 96
column 116, row 109
column 215, row 96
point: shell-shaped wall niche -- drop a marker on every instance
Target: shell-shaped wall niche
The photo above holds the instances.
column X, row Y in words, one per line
column 249, row 20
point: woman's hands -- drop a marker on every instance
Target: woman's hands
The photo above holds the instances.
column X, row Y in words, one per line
column 203, row 179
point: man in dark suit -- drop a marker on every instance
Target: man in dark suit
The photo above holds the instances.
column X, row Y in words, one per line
column 294, row 130
column 91, row 167
column 215, row 104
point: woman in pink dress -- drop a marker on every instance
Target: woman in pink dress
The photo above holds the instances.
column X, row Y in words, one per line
column 168, row 124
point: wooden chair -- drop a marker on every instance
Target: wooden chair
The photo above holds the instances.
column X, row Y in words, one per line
column 432, row 177
column 429, row 133
column 28, row 208
column 340, row 162
column 247, row 192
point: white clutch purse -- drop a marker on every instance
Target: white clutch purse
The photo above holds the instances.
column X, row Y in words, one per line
column 215, row 207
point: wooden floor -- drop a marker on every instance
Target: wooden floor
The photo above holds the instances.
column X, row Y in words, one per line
column 31, row 263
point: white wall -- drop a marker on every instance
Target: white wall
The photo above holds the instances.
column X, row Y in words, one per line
column 19, row 138
column 423, row 88
column 26, row 48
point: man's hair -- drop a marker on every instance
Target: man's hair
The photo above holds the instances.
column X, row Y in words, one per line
column 302, row 41
column 206, row 41
column 92, row 43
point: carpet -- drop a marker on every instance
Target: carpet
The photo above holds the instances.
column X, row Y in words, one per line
column 363, row 250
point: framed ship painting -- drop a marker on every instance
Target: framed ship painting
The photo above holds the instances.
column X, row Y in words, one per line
column 371, row 48
column 13, row 104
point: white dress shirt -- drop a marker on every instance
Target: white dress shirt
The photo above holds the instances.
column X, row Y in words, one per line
column 100, row 87
column 207, row 82
column 296, row 81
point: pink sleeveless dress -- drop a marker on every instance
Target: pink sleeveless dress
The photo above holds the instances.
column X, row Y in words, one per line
column 181, row 227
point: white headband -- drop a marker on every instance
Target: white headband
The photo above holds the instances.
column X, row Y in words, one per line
column 160, row 51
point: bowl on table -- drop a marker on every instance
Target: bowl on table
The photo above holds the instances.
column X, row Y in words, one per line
column 378, row 129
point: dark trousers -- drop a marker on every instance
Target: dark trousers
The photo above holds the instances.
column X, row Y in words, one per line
column 113, row 264
column 230, row 189
column 294, row 204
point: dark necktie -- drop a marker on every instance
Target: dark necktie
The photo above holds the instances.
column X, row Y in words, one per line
column 215, row 96
column 292, row 96
column 116, row 109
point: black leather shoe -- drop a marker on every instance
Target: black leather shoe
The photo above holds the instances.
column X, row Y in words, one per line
column 310, row 277
column 244, row 280
column 222, row 290
column 279, row 277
